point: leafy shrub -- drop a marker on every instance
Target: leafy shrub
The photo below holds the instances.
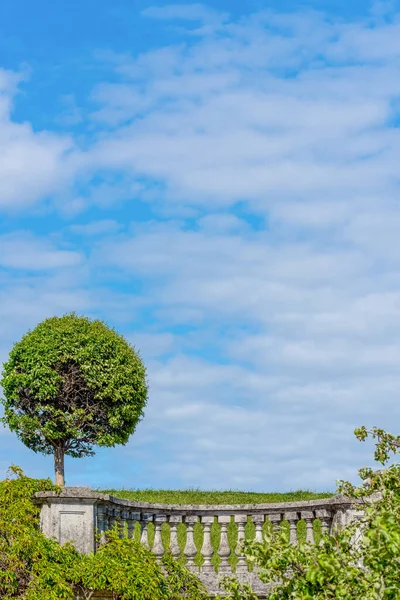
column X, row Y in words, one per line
column 24, row 551
column 35, row 568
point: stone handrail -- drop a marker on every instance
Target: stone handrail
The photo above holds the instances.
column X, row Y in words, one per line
column 78, row 514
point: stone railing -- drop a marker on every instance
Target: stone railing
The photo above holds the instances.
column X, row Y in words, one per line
column 78, row 514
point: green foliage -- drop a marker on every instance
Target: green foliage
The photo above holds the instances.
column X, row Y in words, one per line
column 359, row 561
column 73, row 383
column 24, row 551
column 131, row 572
column 35, row 568
column 195, row 496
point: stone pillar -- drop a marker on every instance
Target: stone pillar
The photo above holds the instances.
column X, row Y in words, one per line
column 326, row 518
column 158, row 547
column 292, row 517
column 353, row 515
column 70, row 516
column 224, row 549
column 207, row 550
column 102, row 523
column 258, row 521
column 174, row 521
column 133, row 518
column 308, row 517
column 241, row 521
column 144, row 525
column 190, row 547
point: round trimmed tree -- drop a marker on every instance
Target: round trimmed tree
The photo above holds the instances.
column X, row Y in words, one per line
column 71, row 384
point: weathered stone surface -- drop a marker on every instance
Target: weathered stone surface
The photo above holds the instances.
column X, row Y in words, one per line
column 73, row 492
column 77, row 514
column 212, row 581
column 70, row 519
column 199, row 509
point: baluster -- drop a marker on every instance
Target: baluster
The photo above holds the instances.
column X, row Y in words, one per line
column 158, row 547
column 275, row 520
column 241, row 521
column 109, row 512
column 173, row 528
column 292, row 518
column 326, row 518
column 338, row 520
column 108, row 517
column 124, row 523
column 144, row 525
column 113, row 517
column 118, row 521
column 258, row 521
column 133, row 517
column 190, row 547
column 308, row 517
column 207, row 549
column 102, row 520
column 224, row 549
column 356, row 516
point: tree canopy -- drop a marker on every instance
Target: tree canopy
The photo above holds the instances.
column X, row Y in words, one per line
column 70, row 384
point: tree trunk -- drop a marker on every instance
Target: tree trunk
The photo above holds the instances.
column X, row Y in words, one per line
column 59, row 465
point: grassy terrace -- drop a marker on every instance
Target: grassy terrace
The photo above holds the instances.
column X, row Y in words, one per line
column 215, row 497
column 194, row 496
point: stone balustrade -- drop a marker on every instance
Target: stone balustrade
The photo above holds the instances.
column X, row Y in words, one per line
column 78, row 514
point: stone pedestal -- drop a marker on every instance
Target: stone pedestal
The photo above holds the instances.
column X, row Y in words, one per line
column 69, row 517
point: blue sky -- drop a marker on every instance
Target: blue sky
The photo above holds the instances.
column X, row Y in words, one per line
column 220, row 183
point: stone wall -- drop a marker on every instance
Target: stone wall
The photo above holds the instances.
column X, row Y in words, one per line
column 78, row 514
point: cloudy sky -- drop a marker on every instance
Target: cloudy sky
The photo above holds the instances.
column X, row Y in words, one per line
column 220, row 182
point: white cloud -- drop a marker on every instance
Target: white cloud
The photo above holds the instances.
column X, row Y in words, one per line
column 220, row 121
column 25, row 303
column 210, row 20
column 266, row 346
column 33, row 164
column 96, row 228
column 189, row 12
column 302, row 441
column 306, row 337
column 222, row 222
column 153, row 345
column 315, row 215
column 24, row 251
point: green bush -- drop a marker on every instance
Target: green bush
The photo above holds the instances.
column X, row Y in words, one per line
column 35, row 568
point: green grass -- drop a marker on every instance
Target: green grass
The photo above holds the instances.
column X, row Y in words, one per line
column 195, row 496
